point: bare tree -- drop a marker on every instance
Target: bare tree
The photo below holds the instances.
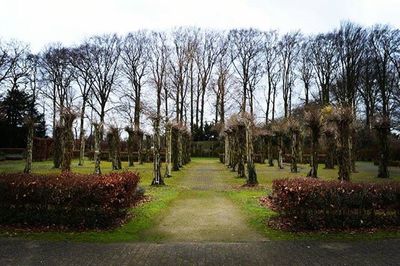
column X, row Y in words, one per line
column 104, row 62
column 18, row 75
column 350, row 42
column 58, row 75
column 10, row 54
column 134, row 58
column 192, row 79
column 158, row 67
column 272, row 70
column 206, row 57
column 245, row 51
column 178, row 65
column 306, row 67
column 324, row 61
column 367, row 88
column 221, row 82
column 382, row 47
column 288, row 50
column 84, row 79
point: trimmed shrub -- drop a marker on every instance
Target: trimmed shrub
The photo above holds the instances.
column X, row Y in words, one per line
column 315, row 204
column 69, row 200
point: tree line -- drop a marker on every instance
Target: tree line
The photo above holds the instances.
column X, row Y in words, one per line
column 182, row 74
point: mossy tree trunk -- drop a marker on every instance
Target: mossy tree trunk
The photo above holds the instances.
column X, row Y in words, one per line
column 331, row 150
column 130, row 146
column 383, row 140
column 300, row 149
column 175, row 149
column 269, row 150
column 233, row 158
column 314, row 153
column 145, row 148
column 57, row 146
column 187, row 147
column 344, row 157
column 82, row 148
column 227, row 150
column 68, row 142
column 382, row 128
column 280, row 151
column 251, row 169
column 180, row 149
column 240, row 142
column 138, row 143
column 82, row 137
column 168, row 152
column 114, row 144
column 29, row 146
column 313, row 120
column 98, row 128
column 353, row 152
column 295, row 143
column 157, row 178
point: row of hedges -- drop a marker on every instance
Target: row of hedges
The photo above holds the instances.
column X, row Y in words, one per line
column 315, row 204
column 105, row 156
column 69, row 200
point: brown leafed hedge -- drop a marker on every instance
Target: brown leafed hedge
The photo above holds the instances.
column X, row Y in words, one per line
column 314, row 204
column 68, row 200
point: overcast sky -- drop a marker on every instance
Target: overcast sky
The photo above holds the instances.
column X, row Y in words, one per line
column 39, row 22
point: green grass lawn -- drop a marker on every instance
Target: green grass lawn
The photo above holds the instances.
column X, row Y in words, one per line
column 366, row 172
column 147, row 215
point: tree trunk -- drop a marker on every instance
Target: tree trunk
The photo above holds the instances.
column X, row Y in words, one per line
column 307, row 89
column 203, row 91
column 98, row 128
column 241, row 138
column 251, row 169
column 301, row 159
column 314, row 155
column 383, row 139
column 177, row 104
column 130, row 146
column 227, row 148
column 280, row 152
column 251, row 103
column 68, row 142
column 138, row 144
column 344, row 152
column 57, row 146
column 222, row 105
column 216, row 109
column 353, row 153
column 270, row 153
column 157, row 178
column 191, row 97
column 331, row 150
column 168, row 133
column 243, row 107
column 29, row 148
column 114, row 148
column 293, row 166
column 175, row 149
column 180, row 149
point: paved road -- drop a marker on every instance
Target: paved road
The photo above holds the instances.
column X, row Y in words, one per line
column 24, row 252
